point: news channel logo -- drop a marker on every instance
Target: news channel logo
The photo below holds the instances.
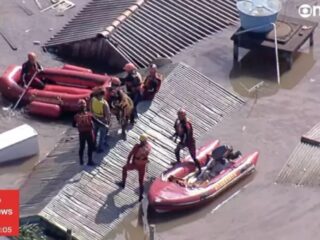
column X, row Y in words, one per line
column 307, row 11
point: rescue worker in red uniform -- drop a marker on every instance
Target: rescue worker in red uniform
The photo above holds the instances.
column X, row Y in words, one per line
column 183, row 130
column 137, row 160
column 29, row 68
column 133, row 83
column 152, row 83
column 84, row 122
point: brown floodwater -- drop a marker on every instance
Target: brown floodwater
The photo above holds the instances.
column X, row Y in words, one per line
column 256, row 77
column 14, row 173
column 131, row 228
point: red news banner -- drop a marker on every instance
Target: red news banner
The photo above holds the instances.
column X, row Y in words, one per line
column 9, row 212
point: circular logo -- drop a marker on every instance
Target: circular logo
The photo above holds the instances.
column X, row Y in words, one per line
column 305, row 11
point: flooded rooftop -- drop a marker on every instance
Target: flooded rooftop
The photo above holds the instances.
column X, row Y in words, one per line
column 272, row 121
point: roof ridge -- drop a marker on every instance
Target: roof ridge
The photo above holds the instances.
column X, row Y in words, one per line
column 121, row 18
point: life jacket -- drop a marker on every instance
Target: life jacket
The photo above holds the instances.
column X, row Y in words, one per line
column 182, row 130
column 97, row 107
column 30, row 69
column 152, row 82
column 141, row 154
column 84, row 122
column 133, row 82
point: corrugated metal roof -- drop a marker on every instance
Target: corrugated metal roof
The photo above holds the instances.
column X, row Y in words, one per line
column 303, row 166
column 158, row 28
column 94, row 204
column 162, row 28
column 93, row 18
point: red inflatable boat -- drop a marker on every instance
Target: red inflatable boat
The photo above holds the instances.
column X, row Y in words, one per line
column 67, row 85
column 179, row 188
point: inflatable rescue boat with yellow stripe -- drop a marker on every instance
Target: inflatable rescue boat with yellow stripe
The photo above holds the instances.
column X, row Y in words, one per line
column 181, row 187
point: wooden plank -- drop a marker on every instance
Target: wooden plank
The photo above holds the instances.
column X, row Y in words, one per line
column 25, row 9
column 8, row 40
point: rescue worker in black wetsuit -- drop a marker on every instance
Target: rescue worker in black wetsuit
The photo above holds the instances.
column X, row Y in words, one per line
column 29, row 70
column 184, row 130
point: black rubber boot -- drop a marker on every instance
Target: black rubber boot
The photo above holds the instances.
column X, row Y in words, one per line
column 196, row 162
column 141, row 193
column 124, row 135
column 174, row 162
column 121, row 184
column 92, row 164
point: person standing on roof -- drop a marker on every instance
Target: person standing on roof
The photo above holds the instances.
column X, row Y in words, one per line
column 124, row 108
column 99, row 107
column 183, row 130
column 137, row 160
column 113, row 96
column 84, row 122
column 152, row 83
column 29, row 69
column 133, row 83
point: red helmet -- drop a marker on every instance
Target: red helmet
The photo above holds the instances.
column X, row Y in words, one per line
column 182, row 112
column 129, row 67
column 115, row 81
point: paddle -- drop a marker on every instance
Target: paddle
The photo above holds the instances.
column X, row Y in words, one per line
column 25, row 91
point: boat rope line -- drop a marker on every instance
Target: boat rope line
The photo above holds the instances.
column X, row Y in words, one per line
column 94, row 203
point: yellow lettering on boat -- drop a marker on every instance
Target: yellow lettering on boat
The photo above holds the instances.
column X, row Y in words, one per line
column 224, row 181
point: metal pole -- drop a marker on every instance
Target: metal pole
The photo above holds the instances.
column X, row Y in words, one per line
column 277, row 52
column 69, row 234
column 25, row 91
column 275, row 43
column 151, row 232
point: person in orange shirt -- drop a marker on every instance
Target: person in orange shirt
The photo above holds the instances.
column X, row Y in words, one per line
column 137, row 160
